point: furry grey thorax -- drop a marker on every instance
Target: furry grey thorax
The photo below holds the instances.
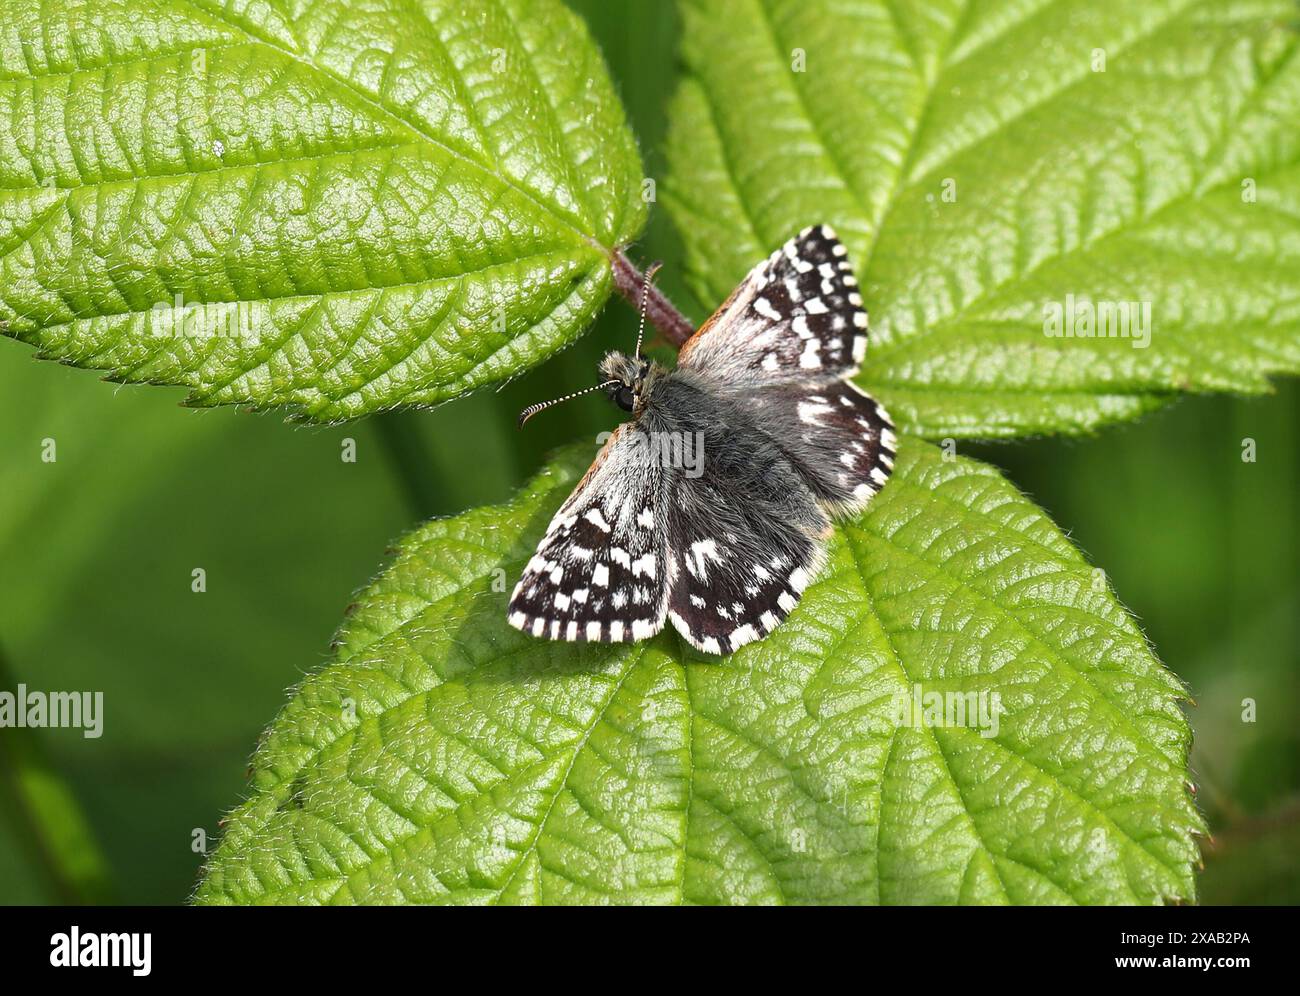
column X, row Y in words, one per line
column 741, row 443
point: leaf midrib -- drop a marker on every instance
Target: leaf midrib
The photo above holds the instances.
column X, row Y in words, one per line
column 314, row 297
column 417, row 129
column 956, row 784
column 1126, row 227
column 909, row 153
column 833, row 156
column 632, row 658
column 950, row 325
column 1054, row 654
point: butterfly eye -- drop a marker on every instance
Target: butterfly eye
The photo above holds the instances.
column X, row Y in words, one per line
column 624, row 398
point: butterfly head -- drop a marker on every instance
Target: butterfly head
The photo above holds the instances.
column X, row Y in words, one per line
column 626, row 379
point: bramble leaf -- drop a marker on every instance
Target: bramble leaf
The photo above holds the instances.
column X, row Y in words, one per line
column 444, row 757
column 331, row 207
column 1000, row 171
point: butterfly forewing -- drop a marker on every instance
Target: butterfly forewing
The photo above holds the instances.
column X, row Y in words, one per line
column 735, row 579
column 598, row 573
column 798, row 315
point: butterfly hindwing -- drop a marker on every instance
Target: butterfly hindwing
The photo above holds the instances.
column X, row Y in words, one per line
column 841, row 439
column 798, row 315
column 599, row 572
column 727, row 592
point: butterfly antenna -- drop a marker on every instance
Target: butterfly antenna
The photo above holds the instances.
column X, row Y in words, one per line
column 532, row 410
column 645, row 294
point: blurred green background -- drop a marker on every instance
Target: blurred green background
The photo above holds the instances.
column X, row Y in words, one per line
column 97, row 549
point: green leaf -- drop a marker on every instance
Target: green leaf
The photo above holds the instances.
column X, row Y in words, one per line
column 443, row 757
column 1170, row 176
column 331, row 207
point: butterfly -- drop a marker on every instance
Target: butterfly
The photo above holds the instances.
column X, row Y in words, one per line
column 711, row 508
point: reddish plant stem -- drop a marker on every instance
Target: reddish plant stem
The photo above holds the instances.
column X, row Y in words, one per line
column 659, row 311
